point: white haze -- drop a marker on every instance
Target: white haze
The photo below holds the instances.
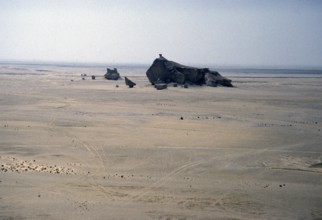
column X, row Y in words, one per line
column 246, row 33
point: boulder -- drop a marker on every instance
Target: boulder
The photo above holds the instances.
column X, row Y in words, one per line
column 129, row 83
column 160, row 86
column 166, row 71
column 112, row 74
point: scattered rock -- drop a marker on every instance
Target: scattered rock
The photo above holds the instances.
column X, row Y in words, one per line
column 129, row 83
column 117, row 86
column 181, row 118
column 30, row 166
column 93, row 77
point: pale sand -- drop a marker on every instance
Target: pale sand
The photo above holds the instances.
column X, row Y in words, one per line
column 84, row 149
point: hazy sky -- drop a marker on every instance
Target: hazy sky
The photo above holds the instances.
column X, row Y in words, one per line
column 216, row 32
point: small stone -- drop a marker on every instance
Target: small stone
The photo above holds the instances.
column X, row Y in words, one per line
column 160, row 86
column 181, row 118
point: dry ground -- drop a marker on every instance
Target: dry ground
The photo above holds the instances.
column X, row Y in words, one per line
column 86, row 149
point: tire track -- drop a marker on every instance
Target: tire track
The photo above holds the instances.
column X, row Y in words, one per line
column 96, row 156
column 94, row 153
column 52, row 122
column 167, row 178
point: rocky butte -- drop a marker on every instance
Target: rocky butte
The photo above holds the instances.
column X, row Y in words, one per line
column 163, row 70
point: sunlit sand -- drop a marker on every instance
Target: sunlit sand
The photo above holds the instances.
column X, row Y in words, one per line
column 87, row 149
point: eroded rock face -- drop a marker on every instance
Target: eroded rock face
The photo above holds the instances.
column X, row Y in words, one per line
column 166, row 71
column 112, row 74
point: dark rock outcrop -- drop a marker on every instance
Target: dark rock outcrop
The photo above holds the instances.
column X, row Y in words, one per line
column 112, row 74
column 166, row 71
column 129, row 83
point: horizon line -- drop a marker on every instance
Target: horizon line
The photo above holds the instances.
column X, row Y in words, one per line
column 143, row 64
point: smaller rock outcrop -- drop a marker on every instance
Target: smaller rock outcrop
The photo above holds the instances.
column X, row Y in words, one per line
column 112, row 74
column 129, row 83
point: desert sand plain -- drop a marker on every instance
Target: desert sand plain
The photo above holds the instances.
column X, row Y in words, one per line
column 86, row 149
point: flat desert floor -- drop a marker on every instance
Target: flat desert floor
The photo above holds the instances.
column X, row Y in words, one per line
column 86, row 149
